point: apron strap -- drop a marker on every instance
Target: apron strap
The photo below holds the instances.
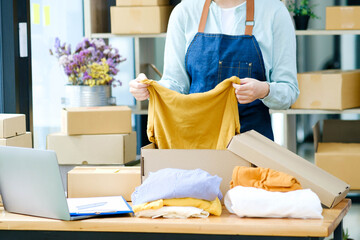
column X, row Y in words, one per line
column 204, row 15
column 249, row 23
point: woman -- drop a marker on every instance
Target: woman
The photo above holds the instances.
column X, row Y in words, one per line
column 209, row 41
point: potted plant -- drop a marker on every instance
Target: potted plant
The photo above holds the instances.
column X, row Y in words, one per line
column 302, row 13
column 90, row 69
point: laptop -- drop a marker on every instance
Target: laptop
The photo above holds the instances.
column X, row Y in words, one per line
column 30, row 183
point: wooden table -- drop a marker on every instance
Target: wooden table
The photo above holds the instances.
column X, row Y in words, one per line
column 228, row 226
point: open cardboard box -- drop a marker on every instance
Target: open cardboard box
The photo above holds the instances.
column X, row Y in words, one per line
column 244, row 149
column 337, row 149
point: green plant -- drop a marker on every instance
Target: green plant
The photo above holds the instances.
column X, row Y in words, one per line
column 345, row 234
column 302, row 9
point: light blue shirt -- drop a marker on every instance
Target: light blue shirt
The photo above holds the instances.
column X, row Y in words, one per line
column 170, row 183
column 273, row 30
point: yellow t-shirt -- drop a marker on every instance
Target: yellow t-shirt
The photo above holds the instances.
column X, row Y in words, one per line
column 196, row 121
column 213, row 207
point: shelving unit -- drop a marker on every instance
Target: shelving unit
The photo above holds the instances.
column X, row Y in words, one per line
column 96, row 25
column 289, row 120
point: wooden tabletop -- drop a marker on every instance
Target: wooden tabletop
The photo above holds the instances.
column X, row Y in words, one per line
column 225, row 224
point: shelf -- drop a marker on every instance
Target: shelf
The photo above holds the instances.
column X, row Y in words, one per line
column 326, row 32
column 110, row 35
column 316, row 111
column 136, row 111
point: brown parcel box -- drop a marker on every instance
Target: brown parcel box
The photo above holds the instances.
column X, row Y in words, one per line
column 258, row 150
column 96, row 120
column 263, row 152
column 142, row 2
column 23, row 140
column 12, row 125
column 215, row 162
column 137, row 20
column 329, row 89
column 103, row 181
column 338, row 151
column 343, row 18
column 93, row 149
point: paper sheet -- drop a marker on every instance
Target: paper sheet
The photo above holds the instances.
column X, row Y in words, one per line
column 98, row 205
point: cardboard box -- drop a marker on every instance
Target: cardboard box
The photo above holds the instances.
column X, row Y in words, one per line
column 127, row 3
column 215, row 162
column 96, row 120
column 139, row 20
column 103, row 181
column 329, row 89
column 24, row 140
column 338, row 150
column 1, row 203
column 343, row 18
column 263, row 152
column 12, row 125
column 93, row 149
column 257, row 149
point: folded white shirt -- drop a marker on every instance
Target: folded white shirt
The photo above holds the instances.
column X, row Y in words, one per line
column 173, row 212
column 256, row 202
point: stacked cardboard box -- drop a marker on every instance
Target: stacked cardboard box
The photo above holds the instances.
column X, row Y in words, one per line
column 140, row 16
column 343, row 18
column 245, row 149
column 13, row 131
column 337, row 149
column 94, row 135
column 329, row 89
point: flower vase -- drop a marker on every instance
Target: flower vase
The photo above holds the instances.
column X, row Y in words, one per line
column 301, row 22
column 86, row 96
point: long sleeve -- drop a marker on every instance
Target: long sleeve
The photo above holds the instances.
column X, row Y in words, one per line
column 175, row 76
column 282, row 74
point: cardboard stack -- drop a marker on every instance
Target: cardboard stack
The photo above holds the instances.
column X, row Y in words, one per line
column 13, row 131
column 94, row 135
column 246, row 149
column 140, row 16
column 329, row 90
column 337, row 149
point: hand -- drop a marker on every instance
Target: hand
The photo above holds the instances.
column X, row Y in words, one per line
column 250, row 89
column 139, row 90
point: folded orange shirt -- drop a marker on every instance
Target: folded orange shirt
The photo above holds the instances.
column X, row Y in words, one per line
column 195, row 121
column 264, row 178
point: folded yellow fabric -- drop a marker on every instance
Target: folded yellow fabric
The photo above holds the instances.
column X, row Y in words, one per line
column 213, row 207
column 264, row 178
column 195, row 121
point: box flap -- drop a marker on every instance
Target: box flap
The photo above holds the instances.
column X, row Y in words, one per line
column 100, row 170
column 263, row 152
column 316, row 135
column 349, row 133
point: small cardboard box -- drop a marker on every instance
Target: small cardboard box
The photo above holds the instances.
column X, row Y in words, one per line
column 139, row 20
column 23, row 140
column 93, row 149
column 337, row 151
column 329, row 89
column 96, row 120
column 127, row 3
column 257, row 149
column 12, row 125
column 343, row 18
column 103, row 181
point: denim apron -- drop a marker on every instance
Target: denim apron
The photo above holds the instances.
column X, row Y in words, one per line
column 211, row 58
